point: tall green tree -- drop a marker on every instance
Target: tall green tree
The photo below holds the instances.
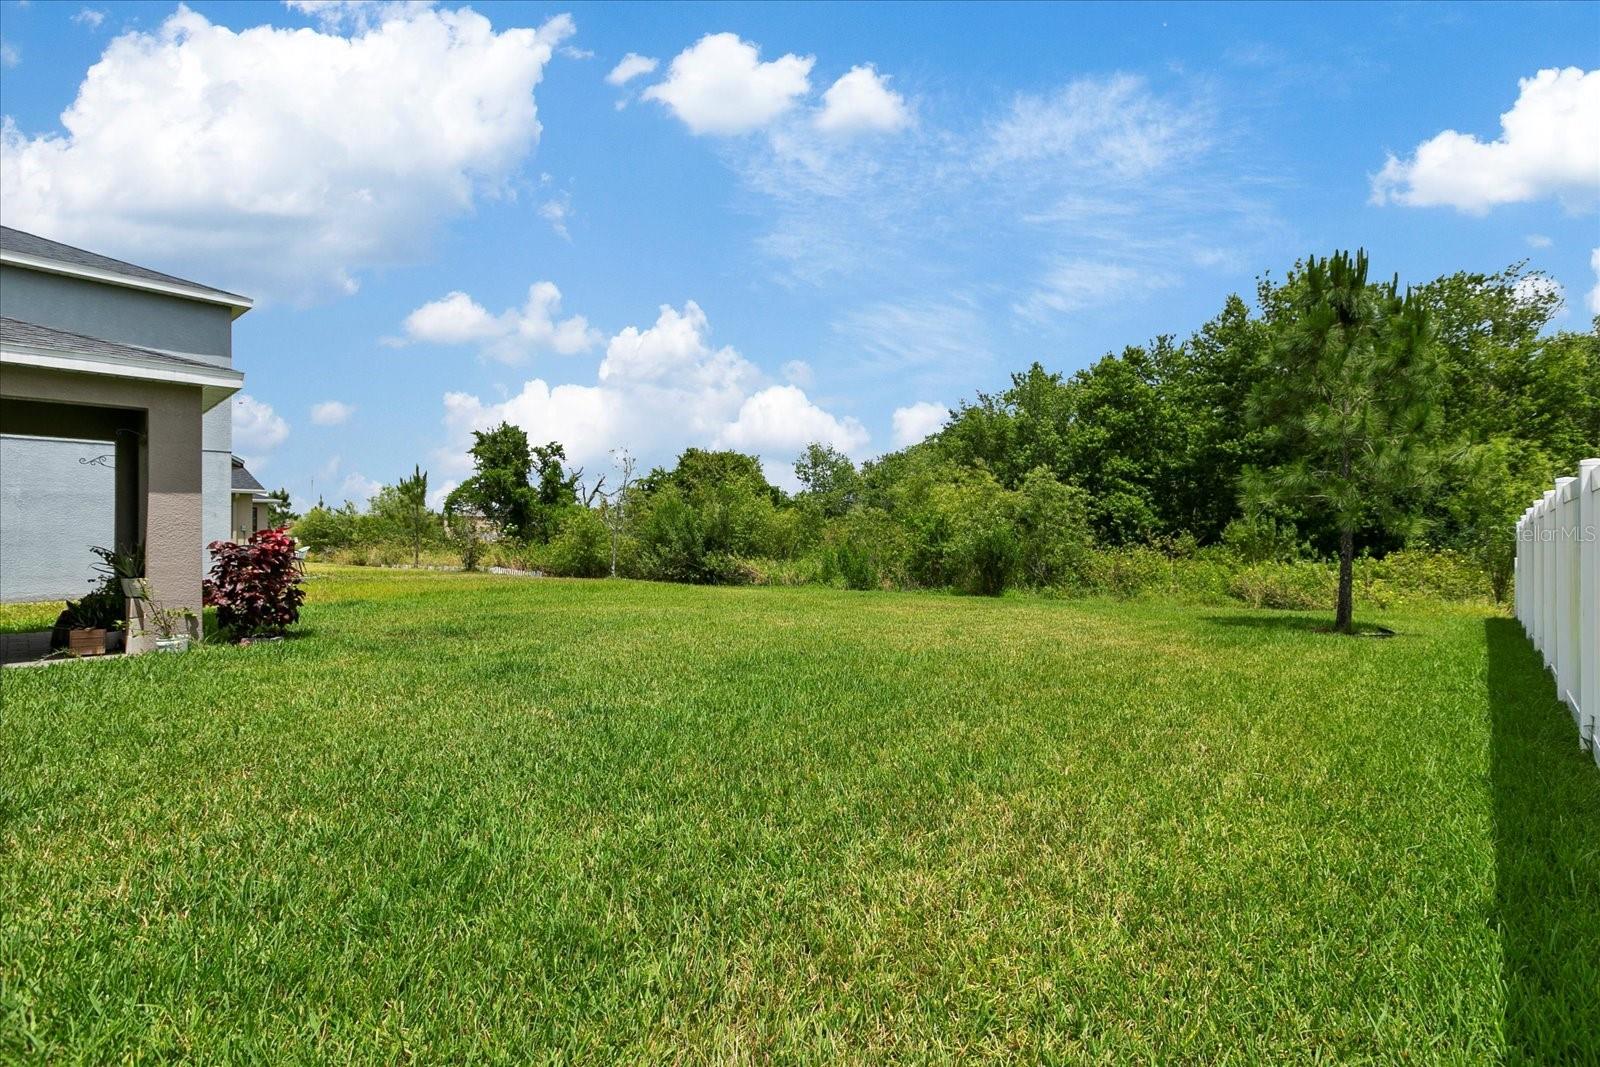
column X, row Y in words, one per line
column 1015, row 431
column 414, row 517
column 400, row 513
column 280, row 512
column 499, row 488
column 1124, row 439
column 555, row 490
column 830, row 480
column 1207, row 384
column 699, row 470
column 1350, row 398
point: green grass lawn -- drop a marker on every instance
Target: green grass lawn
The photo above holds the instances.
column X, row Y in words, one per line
column 464, row 818
column 36, row 615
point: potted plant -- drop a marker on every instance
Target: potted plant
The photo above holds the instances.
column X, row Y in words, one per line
column 88, row 620
column 125, row 564
column 173, row 627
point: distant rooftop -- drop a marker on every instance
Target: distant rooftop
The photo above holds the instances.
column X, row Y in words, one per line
column 243, row 480
column 17, row 243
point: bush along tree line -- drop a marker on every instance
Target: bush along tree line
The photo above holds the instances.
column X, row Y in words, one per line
column 1344, row 437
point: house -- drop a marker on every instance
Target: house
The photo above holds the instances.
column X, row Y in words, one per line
column 114, row 423
column 252, row 507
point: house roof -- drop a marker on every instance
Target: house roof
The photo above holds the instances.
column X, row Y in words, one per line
column 243, row 480
column 49, row 339
column 25, row 249
column 29, row 344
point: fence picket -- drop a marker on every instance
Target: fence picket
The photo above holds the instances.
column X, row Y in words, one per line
column 1558, row 592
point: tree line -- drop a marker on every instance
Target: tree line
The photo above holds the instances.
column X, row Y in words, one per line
column 1339, row 417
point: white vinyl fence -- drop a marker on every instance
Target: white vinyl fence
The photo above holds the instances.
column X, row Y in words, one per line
column 1558, row 592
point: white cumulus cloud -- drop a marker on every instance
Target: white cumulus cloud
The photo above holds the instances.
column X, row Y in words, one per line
column 257, row 429
column 511, row 336
column 720, row 86
column 782, row 419
column 660, row 388
column 862, row 102
column 1547, row 147
column 279, row 161
column 359, row 488
column 1594, row 294
column 456, row 319
column 331, row 413
column 632, row 66
column 916, row 421
column 90, row 17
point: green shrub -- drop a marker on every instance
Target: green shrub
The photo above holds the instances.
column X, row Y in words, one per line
column 773, row 533
column 851, row 562
column 672, row 540
column 1421, row 574
column 863, row 549
column 1300, row 585
column 984, row 551
column 582, row 546
column 1054, row 539
column 1202, row 578
column 807, row 570
column 324, row 530
column 963, row 534
column 1127, row 572
column 1262, row 538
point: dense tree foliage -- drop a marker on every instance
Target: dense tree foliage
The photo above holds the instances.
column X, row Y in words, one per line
column 1227, row 448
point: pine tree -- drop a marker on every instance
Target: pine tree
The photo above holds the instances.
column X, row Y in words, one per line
column 1349, row 398
column 413, row 499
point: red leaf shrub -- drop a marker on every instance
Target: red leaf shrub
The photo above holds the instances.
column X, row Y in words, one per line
column 255, row 587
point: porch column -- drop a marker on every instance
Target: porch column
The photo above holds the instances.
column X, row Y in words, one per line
column 173, row 554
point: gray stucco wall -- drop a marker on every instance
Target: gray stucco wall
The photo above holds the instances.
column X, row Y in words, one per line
column 116, row 313
column 216, row 489
column 52, row 510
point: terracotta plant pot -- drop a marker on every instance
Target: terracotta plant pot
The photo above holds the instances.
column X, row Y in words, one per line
column 86, row 642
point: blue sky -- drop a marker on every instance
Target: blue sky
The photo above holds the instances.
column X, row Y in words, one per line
column 803, row 222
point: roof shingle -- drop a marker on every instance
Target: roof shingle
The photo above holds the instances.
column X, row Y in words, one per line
column 29, row 244
column 243, row 480
column 46, row 339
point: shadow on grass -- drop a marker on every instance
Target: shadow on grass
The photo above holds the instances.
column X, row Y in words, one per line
column 1316, row 624
column 1547, row 859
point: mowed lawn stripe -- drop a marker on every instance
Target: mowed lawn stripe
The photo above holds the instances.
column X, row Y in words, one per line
column 498, row 818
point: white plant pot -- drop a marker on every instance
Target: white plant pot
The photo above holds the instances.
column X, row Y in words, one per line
column 177, row 643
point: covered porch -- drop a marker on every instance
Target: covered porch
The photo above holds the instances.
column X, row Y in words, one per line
column 144, row 409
